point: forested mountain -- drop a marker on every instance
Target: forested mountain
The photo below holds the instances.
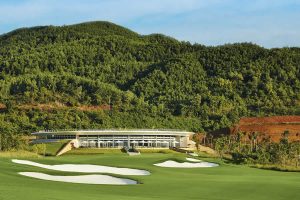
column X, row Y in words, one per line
column 148, row 81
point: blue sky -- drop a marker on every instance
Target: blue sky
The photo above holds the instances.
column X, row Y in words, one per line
column 269, row 23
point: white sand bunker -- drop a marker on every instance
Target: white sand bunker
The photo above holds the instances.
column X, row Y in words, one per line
column 198, row 164
column 193, row 154
column 85, row 168
column 86, row 179
column 193, row 160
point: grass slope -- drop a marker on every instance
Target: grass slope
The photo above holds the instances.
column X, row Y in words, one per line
column 53, row 148
column 224, row 182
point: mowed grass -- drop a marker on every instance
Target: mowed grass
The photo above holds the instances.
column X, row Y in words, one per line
column 224, row 182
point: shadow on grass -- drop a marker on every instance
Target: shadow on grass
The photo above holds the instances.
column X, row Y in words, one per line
column 276, row 168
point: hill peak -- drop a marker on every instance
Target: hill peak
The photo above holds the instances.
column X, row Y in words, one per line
column 93, row 27
column 102, row 27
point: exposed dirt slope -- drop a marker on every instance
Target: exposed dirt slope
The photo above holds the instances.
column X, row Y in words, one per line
column 272, row 127
column 57, row 106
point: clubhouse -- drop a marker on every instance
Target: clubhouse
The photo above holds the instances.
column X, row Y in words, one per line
column 118, row 138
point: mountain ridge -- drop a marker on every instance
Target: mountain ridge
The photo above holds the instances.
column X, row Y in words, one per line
column 158, row 80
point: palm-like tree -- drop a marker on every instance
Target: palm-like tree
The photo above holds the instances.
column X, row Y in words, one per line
column 253, row 140
column 204, row 139
column 239, row 139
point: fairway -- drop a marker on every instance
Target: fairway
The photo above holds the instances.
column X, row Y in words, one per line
column 223, row 182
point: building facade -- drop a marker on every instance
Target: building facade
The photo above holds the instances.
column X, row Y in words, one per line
column 138, row 138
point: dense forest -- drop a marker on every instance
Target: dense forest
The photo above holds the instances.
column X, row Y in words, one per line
column 101, row 75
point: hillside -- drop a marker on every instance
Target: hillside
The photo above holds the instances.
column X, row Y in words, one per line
column 272, row 128
column 147, row 81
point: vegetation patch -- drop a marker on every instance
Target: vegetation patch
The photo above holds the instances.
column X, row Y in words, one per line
column 48, row 149
column 84, row 151
column 18, row 154
column 277, row 168
column 246, row 148
column 145, row 150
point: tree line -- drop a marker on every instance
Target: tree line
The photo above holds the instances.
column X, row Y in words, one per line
column 255, row 148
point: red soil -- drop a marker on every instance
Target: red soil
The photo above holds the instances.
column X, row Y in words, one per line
column 267, row 127
column 2, row 106
column 272, row 127
column 44, row 107
column 90, row 108
column 57, row 106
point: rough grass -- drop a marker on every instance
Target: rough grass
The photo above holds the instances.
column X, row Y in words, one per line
column 53, row 148
column 18, row 154
column 206, row 155
column 227, row 182
column 277, row 168
column 144, row 150
column 86, row 151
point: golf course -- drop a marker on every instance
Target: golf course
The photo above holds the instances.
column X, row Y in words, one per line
column 226, row 181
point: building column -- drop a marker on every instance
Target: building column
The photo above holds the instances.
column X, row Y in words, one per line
column 143, row 142
column 128, row 144
column 87, row 141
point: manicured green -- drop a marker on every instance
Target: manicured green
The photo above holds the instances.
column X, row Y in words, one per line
column 224, row 182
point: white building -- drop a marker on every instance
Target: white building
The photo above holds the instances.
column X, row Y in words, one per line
column 114, row 138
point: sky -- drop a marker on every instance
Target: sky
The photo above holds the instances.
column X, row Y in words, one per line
column 268, row 23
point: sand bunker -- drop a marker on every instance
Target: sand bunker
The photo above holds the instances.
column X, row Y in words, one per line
column 86, row 179
column 85, row 168
column 171, row 163
column 193, row 154
column 193, row 160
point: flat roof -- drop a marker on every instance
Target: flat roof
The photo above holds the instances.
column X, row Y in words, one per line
column 116, row 132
